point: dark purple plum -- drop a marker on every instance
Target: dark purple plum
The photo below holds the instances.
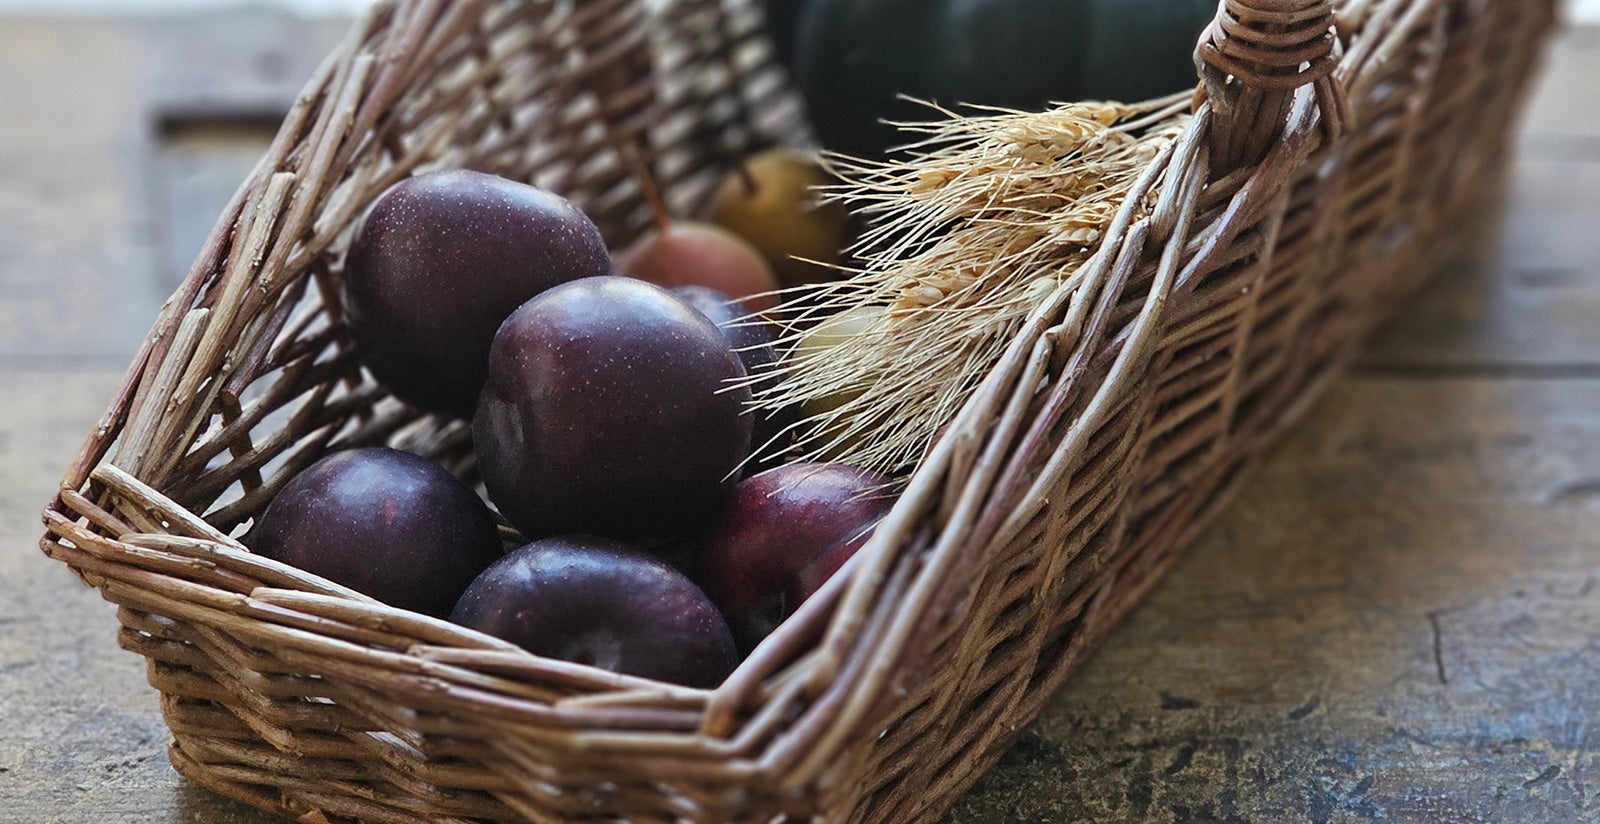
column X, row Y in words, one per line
column 440, row 261
column 609, row 411
column 785, row 533
column 752, row 340
column 385, row 523
column 750, row 336
column 595, row 601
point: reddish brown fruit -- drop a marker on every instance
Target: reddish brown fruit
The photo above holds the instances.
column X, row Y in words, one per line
column 785, row 533
column 699, row 254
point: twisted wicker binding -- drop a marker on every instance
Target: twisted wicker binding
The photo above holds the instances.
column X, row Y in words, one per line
column 1334, row 148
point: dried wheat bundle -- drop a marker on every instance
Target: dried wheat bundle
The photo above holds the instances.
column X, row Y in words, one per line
column 973, row 227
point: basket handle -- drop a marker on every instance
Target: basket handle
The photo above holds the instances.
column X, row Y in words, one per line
column 1253, row 59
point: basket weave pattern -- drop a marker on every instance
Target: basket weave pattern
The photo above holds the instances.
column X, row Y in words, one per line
column 1334, row 149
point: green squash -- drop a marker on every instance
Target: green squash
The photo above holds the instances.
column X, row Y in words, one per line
column 781, row 19
column 1021, row 54
column 853, row 57
column 1139, row 49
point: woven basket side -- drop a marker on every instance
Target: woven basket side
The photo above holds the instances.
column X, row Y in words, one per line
column 986, row 550
column 342, row 706
column 1248, row 338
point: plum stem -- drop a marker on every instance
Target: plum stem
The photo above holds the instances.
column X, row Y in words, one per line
column 742, row 168
column 631, row 155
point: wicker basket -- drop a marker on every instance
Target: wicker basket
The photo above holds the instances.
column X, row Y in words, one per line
column 1332, row 153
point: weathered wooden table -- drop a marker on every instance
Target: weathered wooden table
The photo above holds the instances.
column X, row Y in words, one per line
column 1397, row 621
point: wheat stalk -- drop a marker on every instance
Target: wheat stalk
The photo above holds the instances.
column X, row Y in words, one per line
column 972, row 226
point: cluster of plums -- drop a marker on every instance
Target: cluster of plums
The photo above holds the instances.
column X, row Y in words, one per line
column 610, row 424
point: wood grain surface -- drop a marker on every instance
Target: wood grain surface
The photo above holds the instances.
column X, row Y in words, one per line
column 1397, row 621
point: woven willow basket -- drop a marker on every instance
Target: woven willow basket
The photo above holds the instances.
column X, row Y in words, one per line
column 1334, row 149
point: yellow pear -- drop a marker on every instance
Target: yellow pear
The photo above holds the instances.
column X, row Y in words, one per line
column 774, row 206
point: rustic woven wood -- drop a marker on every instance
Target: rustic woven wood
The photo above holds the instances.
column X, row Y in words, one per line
column 1334, row 149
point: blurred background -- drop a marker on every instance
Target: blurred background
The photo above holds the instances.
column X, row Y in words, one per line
column 1439, row 508
column 136, row 120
